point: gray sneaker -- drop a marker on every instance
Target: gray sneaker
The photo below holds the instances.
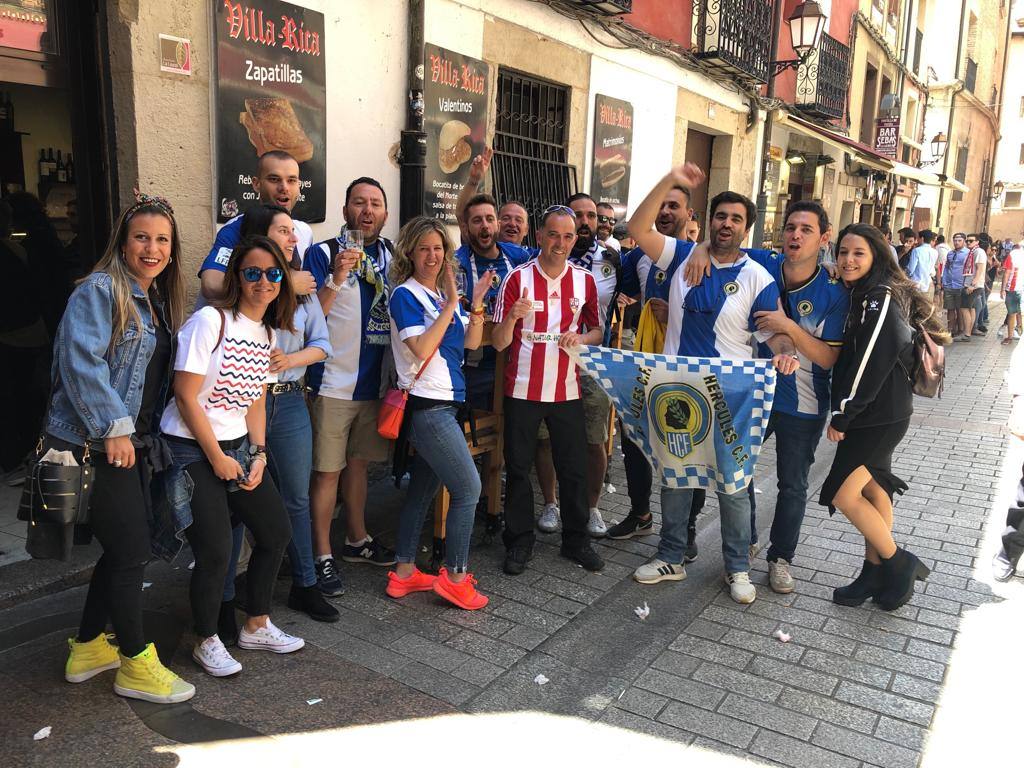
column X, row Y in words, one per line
column 1002, row 568
column 549, row 519
column 658, row 570
column 779, row 576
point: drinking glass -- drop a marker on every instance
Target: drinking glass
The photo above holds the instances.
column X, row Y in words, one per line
column 352, row 239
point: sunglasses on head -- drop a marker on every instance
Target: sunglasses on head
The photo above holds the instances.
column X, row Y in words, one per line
column 601, row 219
column 253, row 274
column 559, row 209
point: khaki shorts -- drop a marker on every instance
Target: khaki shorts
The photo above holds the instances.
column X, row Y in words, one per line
column 343, row 430
column 597, row 408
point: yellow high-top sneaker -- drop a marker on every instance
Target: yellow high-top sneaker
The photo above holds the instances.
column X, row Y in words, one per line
column 87, row 660
column 144, row 677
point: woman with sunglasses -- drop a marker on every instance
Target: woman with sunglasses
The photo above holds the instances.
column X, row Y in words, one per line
column 216, row 426
column 872, row 401
column 430, row 333
column 289, row 432
column 114, row 347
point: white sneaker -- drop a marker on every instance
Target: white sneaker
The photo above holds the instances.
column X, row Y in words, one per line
column 269, row 638
column 596, row 526
column 1002, row 568
column 658, row 570
column 213, row 657
column 740, row 588
column 779, row 576
column 549, row 519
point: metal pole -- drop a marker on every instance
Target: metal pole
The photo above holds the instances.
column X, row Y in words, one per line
column 766, row 139
column 414, row 138
column 952, row 111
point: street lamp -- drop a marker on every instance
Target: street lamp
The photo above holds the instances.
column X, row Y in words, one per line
column 806, row 25
column 938, row 146
column 997, row 190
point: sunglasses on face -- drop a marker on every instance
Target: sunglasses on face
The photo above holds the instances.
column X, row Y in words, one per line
column 606, row 219
column 253, row 274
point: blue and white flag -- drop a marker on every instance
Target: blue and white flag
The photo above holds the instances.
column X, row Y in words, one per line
column 700, row 421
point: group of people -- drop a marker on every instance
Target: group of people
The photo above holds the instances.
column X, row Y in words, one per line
column 251, row 413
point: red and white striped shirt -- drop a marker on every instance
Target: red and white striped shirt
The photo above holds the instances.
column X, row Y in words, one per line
column 535, row 367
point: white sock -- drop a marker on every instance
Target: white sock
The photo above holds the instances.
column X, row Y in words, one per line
column 357, row 543
column 321, row 558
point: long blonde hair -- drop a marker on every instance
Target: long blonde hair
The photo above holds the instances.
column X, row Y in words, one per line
column 402, row 267
column 169, row 283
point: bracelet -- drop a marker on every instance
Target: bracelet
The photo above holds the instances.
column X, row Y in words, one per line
column 329, row 283
column 259, row 457
column 477, row 310
column 475, row 319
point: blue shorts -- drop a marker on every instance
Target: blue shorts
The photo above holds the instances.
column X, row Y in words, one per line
column 1013, row 302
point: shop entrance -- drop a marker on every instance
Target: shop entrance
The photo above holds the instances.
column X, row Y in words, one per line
column 699, row 147
column 54, row 192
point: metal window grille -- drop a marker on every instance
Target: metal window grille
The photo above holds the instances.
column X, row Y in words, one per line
column 531, row 143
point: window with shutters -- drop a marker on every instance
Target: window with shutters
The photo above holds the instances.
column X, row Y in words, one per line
column 960, row 174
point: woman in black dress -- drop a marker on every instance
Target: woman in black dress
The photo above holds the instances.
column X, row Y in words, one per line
column 872, row 399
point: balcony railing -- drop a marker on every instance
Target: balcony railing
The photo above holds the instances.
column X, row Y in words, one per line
column 734, row 36
column 822, row 79
column 971, row 75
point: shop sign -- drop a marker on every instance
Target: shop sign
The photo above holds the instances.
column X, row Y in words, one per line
column 175, row 55
column 776, row 153
column 270, row 95
column 456, row 93
column 887, row 136
column 613, row 152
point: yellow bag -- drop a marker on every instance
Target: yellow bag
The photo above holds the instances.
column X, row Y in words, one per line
column 650, row 333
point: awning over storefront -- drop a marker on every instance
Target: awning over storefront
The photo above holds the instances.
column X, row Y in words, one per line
column 927, row 178
column 861, row 152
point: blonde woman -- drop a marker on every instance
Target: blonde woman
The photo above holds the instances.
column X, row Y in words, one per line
column 114, row 349
column 429, row 335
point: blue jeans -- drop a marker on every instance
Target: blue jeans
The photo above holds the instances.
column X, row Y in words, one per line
column 290, row 456
column 442, row 456
column 735, row 522
column 796, row 440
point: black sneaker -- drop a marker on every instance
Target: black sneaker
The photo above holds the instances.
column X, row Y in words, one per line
column 311, row 602
column 227, row 624
column 584, row 555
column 690, row 553
column 516, row 559
column 631, row 526
column 370, row 551
column 328, row 580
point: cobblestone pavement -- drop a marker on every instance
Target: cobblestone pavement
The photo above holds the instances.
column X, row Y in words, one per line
column 854, row 687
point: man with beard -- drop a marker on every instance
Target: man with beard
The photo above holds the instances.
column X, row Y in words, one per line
column 589, row 254
column 481, row 253
column 513, row 219
column 546, row 306
column 713, row 319
column 605, row 224
column 642, row 279
column 813, row 316
column 353, row 292
column 277, row 183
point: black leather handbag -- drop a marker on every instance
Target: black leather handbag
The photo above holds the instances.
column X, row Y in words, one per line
column 57, row 494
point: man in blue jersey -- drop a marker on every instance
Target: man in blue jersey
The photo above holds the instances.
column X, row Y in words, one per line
column 813, row 315
column 481, row 253
column 353, row 292
column 716, row 318
column 954, row 300
column 277, row 183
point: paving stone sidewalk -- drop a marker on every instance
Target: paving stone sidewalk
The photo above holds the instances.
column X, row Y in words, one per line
column 854, row 687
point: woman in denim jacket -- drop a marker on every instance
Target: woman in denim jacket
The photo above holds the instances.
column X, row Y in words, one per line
column 110, row 372
column 289, row 431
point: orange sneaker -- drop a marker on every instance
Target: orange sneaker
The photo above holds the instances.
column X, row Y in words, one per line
column 416, row 582
column 462, row 594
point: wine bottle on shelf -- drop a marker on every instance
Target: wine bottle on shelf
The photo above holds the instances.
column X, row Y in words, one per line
column 62, row 171
column 42, row 165
column 70, row 167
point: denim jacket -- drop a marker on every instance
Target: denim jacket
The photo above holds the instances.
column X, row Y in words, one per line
column 98, row 380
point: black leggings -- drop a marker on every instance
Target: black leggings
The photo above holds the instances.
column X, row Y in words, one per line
column 117, row 516
column 213, row 508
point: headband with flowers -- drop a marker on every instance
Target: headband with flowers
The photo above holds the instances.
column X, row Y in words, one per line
column 143, row 200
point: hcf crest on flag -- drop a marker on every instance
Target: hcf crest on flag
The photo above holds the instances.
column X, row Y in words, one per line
column 700, row 421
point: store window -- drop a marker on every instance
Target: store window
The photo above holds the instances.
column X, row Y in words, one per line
column 27, row 25
column 531, row 143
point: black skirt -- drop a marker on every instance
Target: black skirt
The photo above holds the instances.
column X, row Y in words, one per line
column 869, row 447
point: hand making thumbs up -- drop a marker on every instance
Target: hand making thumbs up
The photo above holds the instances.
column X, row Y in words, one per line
column 523, row 306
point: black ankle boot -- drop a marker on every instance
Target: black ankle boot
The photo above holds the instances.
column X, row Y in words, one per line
column 311, row 602
column 867, row 584
column 227, row 626
column 899, row 573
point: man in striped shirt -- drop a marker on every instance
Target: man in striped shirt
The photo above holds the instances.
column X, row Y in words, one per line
column 545, row 307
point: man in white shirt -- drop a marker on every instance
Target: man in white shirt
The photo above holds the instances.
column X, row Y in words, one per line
column 606, row 221
column 922, row 262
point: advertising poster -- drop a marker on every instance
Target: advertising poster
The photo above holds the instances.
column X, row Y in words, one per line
column 613, row 152
column 271, row 95
column 455, row 96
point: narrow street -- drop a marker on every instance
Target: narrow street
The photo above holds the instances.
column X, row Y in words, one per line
column 854, row 687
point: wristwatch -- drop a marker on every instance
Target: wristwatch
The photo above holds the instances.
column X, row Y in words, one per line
column 329, row 283
column 257, row 449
